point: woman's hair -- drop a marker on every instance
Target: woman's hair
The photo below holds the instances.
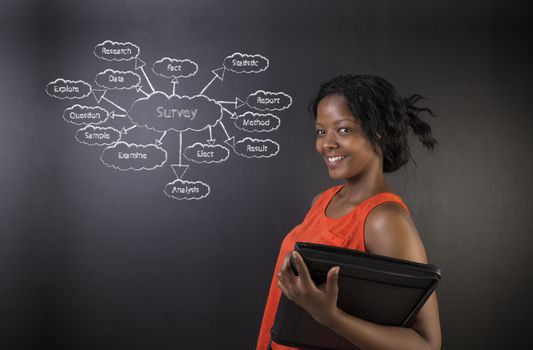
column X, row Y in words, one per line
column 384, row 116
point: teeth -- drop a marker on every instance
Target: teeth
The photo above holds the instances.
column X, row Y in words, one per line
column 334, row 159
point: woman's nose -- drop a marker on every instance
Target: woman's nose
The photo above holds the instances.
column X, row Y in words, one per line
column 330, row 142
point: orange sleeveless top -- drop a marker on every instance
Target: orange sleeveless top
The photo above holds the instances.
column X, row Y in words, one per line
column 346, row 231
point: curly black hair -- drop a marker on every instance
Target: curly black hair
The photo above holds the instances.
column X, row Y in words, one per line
column 383, row 114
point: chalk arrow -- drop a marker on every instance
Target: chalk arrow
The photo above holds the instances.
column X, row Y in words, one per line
column 230, row 142
column 239, row 103
column 113, row 115
column 219, row 73
column 98, row 94
column 124, row 131
column 179, row 170
column 139, row 63
column 139, row 88
column 158, row 141
column 179, row 165
column 211, row 140
column 113, row 103
column 232, row 115
column 174, row 83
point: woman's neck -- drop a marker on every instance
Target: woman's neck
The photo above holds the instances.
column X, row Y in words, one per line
column 359, row 188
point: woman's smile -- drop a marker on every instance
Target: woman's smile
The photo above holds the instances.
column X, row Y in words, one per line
column 333, row 161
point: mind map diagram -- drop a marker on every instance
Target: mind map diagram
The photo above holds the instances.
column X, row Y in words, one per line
column 164, row 113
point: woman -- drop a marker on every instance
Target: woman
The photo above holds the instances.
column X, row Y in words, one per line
column 362, row 129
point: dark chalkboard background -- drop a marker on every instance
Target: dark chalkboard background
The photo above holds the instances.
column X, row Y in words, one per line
column 94, row 258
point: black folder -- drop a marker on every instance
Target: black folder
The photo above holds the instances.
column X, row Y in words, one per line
column 376, row 288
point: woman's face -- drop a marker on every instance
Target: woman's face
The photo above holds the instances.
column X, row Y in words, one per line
column 341, row 142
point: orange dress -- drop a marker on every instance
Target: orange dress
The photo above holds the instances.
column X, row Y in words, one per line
column 346, row 231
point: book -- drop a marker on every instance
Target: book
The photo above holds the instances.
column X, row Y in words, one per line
column 376, row 288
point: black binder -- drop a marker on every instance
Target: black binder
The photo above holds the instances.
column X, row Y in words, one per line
column 379, row 289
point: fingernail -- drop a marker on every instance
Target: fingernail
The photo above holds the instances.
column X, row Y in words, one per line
column 294, row 255
column 337, row 270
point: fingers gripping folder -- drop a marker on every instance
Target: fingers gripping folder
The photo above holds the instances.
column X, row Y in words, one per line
column 376, row 288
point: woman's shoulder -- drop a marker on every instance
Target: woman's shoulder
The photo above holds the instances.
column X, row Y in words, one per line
column 390, row 231
column 315, row 198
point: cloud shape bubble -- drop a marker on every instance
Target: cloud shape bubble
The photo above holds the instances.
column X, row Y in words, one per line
column 97, row 136
column 256, row 148
column 251, row 122
column 117, row 80
column 181, row 189
column 161, row 112
column 175, row 68
column 83, row 115
column 71, row 89
column 269, row 101
column 205, row 153
column 129, row 156
column 116, row 51
column 244, row 63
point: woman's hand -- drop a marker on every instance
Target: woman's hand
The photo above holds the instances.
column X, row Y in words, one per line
column 319, row 301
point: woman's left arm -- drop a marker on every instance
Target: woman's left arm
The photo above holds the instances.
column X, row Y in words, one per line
column 389, row 231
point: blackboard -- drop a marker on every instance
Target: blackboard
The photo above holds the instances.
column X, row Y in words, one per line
column 158, row 248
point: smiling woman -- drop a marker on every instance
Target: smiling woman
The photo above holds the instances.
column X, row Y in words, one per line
column 341, row 140
column 362, row 129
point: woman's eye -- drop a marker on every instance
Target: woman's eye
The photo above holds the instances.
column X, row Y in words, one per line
column 344, row 130
column 319, row 132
